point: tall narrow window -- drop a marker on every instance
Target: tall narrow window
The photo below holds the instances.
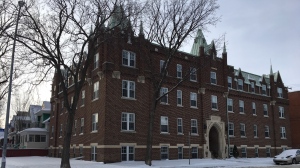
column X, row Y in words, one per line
column 231, row 129
column 161, row 65
column 75, row 127
column 255, row 131
column 128, row 121
column 60, row 130
column 263, row 90
column 128, row 58
column 96, row 90
column 240, row 84
column 279, row 91
column 229, row 81
column 214, row 102
column 253, row 108
column 213, row 78
column 193, row 74
column 194, row 126
column 179, row 98
column 193, row 98
column 93, row 153
column 281, row 112
column 52, row 131
column 80, row 150
column 179, row 71
column 95, row 122
column 164, row 99
column 282, row 133
column 179, row 126
column 267, row 133
column 194, row 152
column 164, row 152
column 244, row 152
column 268, row 152
column 82, row 97
column 127, row 153
column 230, row 105
column 180, row 152
column 128, row 89
column 241, row 106
column 81, row 125
column 256, row 152
column 243, row 130
column 265, row 109
column 164, row 124
column 96, row 60
column 252, row 87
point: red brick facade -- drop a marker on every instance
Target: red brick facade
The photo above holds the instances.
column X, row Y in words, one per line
column 294, row 98
column 110, row 138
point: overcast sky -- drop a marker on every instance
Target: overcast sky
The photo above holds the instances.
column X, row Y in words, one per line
column 259, row 32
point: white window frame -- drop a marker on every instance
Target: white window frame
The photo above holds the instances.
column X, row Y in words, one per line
column 193, row 99
column 127, row 120
column 253, row 108
column 164, row 151
column 127, row 151
column 95, row 122
column 268, row 152
column 180, row 152
column 231, row 129
column 279, row 92
column 264, row 90
column 267, row 131
column 128, row 89
column 179, row 126
column 213, row 78
column 81, row 125
column 96, row 90
column 255, row 131
column 265, row 108
column 93, row 153
column 96, row 61
column 229, row 81
column 179, row 98
column 194, row 151
column 164, row 121
column 281, row 112
column 179, row 71
column 240, row 85
column 128, row 58
column 244, row 152
column 229, row 104
column 243, row 129
column 282, row 132
column 241, row 106
column 193, row 74
column 214, row 102
column 194, row 126
column 164, row 99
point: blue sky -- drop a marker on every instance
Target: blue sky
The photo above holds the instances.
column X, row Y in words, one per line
column 259, row 32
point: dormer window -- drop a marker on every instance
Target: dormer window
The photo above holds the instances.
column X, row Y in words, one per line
column 252, row 87
column 240, row 84
column 263, row 90
column 279, row 91
column 229, row 79
column 193, row 74
column 128, row 58
column 213, row 78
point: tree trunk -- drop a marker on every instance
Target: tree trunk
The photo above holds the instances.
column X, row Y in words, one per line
column 65, row 158
column 148, row 158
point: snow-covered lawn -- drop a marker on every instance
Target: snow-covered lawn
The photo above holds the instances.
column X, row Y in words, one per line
column 48, row 162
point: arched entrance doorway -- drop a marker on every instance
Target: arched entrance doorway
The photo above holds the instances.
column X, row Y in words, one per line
column 214, row 144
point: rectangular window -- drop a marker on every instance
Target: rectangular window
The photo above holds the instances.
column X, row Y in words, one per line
column 80, row 150
column 255, row 131
column 95, row 122
column 230, row 105
column 253, row 108
column 31, row 138
column 243, row 129
column 282, row 133
column 96, row 90
column 37, row 138
column 96, row 60
column 81, row 125
column 164, row 99
column 263, row 90
column 82, row 97
column 265, row 109
column 74, row 151
column 52, row 131
column 127, row 153
column 43, row 138
column 179, row 71
column 164, row 125
column 179, row 98
column 229, row 81
column 194, row 126
column 128, row 58
column 241, row 106
column 240, row 84
column 281, row 112
column 193, row 98
column 268, row 152
column 244, row 152
column 279, row 91
column 62, row 105
column 179, row 126
column 93, row 153
column 256, row 152
column 267, row 133
column 252, row 87
column 128, row 89
column 60, row 130
column 164, row 152
column 231, row 129
column 193, row 74
column 128, row 121
column 231, row 151
column 214, row 102
column 75, row 127
column 213, row 78
column 161, row 65
column 180, row 152
column 194, row 152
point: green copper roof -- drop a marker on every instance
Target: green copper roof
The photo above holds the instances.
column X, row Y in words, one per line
column 198, row 41
column 118, row 18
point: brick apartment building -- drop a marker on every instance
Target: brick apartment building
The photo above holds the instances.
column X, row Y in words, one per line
column 294, row 98
column 112, row 114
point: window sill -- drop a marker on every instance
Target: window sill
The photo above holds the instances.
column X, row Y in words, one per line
column 61, row 113
column 163, row 103
column 243, row 137
column 51, row 138
column 230, row 112
column 231, row 136
column 267, row 138
column 74, row 135
column 242, row 113
column 180, row 134
column 266, row 116
column 256, row 137
column 94, row 132
column 95, row 99
column 133, row 67
column 282, row 118
column 193, row 107
column 254, row 115
column 283, row 138
column 179, row 105
column 81, row 134
column 213, row 109
column 165, row 133
column 82, row 106
column 193, row 80
column 60, row 137
column 194, row 134
column 128, row 131
column 128, row 98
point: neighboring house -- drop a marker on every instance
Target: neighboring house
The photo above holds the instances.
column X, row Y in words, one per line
column 34, row 138
column 294, row 98
column 112, row 115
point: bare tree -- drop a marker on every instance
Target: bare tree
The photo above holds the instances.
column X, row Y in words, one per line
column 170, row 23
column 64, row 36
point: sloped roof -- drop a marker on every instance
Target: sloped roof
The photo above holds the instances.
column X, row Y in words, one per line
column 198, row 41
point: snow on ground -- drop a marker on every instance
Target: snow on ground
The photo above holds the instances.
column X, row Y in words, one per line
column 49, row 162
